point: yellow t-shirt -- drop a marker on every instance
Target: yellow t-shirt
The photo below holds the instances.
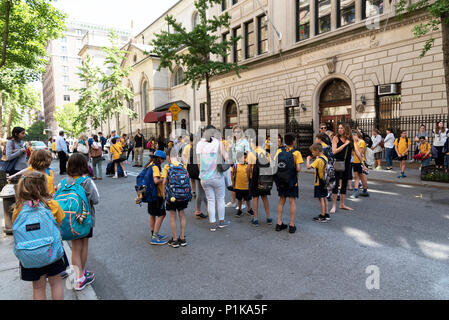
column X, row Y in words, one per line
column 251, row 158
column 50, row 180
column 159, row 186
column 424, row 148
column 53, row 205
column 241, row 179
column 116, row 150
column 296, row 155
column 186, row 154
column 362, row 148
column 319, row 164
column 402, row 145
column 53, row 146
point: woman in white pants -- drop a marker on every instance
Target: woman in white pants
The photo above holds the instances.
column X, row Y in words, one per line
column 212, row 180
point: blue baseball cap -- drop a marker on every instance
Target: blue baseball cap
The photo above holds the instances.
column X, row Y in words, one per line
column 160, row 154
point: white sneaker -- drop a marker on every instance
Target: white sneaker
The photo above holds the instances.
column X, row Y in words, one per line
column 243, row 207
column 231, row 204
column 125, row 174
column 115, row 177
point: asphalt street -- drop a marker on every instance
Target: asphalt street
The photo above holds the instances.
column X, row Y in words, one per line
column 401, row 232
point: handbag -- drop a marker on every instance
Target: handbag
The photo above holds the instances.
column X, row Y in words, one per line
column 339, row 165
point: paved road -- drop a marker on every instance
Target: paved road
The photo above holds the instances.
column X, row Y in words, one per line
column 402, row 230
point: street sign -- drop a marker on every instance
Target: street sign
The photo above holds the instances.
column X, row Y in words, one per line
column 168, row 117
column 174, row 109
column 175, row 117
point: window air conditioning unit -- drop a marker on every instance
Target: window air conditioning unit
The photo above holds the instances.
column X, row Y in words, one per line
column 385, row 89
column 293, row 102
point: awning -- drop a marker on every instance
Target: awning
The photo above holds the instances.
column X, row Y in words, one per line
column 154, row 117
column 180, row 103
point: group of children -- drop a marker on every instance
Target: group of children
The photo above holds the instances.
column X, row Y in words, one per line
column 36, row 190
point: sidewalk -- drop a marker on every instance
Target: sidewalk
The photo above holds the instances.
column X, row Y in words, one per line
column 391, row 176
column 13, row 288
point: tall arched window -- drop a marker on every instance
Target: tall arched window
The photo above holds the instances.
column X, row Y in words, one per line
column 179, row 77
column 145, row 102
column 195, row 20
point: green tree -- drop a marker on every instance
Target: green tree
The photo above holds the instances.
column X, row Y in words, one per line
column 198, row 47
column 115, row 93
column 90, row 107
column 438, row 11
column 36, row 132
column 67, row 116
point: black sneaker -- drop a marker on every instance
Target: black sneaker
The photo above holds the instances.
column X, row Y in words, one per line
column 280, row 227
column 320, row 218
column 327, row 216
column 173, row 243
column 239, row 213
column 182, row 242
column 291, row 229
column 251, row 212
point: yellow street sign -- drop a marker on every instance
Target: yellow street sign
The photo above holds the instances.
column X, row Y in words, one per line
column 174, row 109
column 175, row 116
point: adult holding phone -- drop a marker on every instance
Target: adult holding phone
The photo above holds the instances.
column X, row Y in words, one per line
column 16, row 151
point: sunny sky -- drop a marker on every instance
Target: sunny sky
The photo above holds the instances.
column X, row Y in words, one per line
column 115, row 13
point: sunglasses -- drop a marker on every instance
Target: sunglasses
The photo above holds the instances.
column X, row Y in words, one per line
column 323, row 128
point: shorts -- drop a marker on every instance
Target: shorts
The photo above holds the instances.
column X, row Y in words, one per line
column 116, row 161
column 378, row 156
column 403, row 158
column 34, row 274
column 357, row 167
column 91, row 233
column 176, row 206
column 242, row 195
column 320, row 192
column 292, row 192
column 259, row 193
column 156, row 208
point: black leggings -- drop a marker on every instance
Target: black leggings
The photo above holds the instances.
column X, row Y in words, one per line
column 344, row 176
column 440, row 160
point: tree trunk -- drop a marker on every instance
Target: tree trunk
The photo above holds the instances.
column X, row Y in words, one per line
column 6, row 33
column 1, row 115
column 11, row 114
column 445, row 32
column 209, row 101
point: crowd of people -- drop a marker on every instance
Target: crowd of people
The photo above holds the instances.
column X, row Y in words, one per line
column 203, row 169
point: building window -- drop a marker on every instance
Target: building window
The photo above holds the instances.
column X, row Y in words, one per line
column 235, row 2
column 249, row 40
column 179, row 77
column 227, row 57
column 64, row 40
column 371, row 8
column 66, row 89
column 80, row 61
column 345, row 12
column 202, row 112
column 262, row 25
column 302, row 19
column 195, row 20
column 65, row 78
column 64, row 59
column 253, row 116
column 145, row 102
column 66, row 97
column 65, row 69
column 78, row 32
column 224, row 5
column 237, row 47
column 323, row 16
column 63, row 49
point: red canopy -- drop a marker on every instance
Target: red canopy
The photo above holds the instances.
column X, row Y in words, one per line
column 154, row 117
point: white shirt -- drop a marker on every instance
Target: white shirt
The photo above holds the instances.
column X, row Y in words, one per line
column 440, row 138
column 376, row 140
column 389, row 141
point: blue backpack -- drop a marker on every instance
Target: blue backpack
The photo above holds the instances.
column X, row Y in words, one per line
column 145, row 184
column 329, row 154
column 73, row 201
column 37, row 238
column 178, row 184
column 286, row 175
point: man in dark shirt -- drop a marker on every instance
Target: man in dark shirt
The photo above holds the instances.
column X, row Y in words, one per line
column 138, row 149
column 102, row 140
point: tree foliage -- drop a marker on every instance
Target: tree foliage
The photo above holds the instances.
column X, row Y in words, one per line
column 36, row 132
column 195, row 50
column 66, row 117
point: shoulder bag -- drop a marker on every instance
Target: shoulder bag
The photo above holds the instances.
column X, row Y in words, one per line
column 339, row 165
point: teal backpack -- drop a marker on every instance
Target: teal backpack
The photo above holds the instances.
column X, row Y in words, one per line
column 37, row 239
column 73, row 201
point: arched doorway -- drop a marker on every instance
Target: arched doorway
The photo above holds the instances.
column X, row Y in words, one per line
column 231, row 114
column 335, row 103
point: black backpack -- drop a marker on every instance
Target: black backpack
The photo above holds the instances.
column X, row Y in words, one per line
column 263, row 176
column 286, row 175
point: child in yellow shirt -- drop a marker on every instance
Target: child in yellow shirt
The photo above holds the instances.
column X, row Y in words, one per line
column 320, row 189
column 240, row 184
column 402, row 146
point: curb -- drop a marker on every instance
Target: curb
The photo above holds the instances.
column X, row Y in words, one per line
column 415, row 184
column 88, row 293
